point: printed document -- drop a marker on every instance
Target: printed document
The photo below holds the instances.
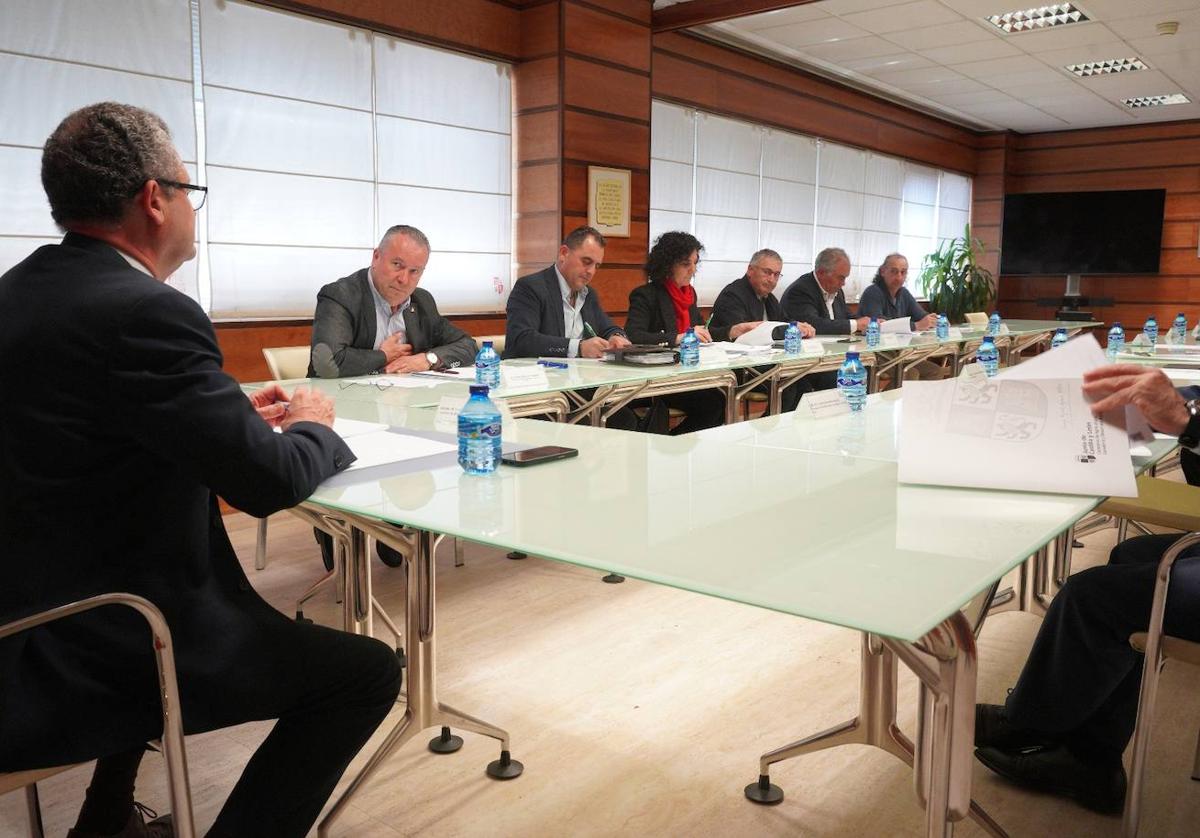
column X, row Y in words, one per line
column 382, row 447
column 760, row 335
column 1032, row 432
column 897, row 326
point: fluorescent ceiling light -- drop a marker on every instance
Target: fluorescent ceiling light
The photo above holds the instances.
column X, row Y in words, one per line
column 1156, row 101
column 1104, row 68
column 1039, row 17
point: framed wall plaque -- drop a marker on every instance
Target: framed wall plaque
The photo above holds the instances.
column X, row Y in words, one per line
column 608, row 200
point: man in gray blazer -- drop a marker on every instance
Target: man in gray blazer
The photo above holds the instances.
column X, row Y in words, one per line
column 378, row 320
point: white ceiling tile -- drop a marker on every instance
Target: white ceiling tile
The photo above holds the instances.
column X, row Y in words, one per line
column 959, row 85
column 1145, row 26
column 1182, row 67
column 1044, row 75
column 781, row 17
column 923, row 75
column 887, row 63
column 974, row 97
column 983, row 8
column 1050, row 87
column 847, row 7
column 1169, row 113
column 1161, row 45
column 1004, row 110
column 964, row 32
column 839, row 52
column 813, row 32
column 1110, row 10
column 1124, row 85
column 907, row 16
column 1061, row 37
column 978, row 51
column 1083, row 54
column 999, row 66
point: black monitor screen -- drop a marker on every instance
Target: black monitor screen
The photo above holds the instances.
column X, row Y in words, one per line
column 1082, row 232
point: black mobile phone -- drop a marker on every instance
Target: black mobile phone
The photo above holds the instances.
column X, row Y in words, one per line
column 542, row 454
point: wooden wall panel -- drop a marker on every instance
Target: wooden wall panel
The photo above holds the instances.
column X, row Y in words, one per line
column 242, row 345
column 535, row 84
column 1142, row 157
column 606, row 142
column 606, row 89
column 636, row 10
column 598, row 34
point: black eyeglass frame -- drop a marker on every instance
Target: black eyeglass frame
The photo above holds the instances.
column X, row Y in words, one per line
column 187, row 187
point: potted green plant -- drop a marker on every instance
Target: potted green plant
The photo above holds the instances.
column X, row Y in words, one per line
column 953, row 279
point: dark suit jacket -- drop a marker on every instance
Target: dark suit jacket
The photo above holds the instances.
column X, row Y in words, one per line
column 876, row 302
column 804, row 300
column 535, row 327
column 651, row 317
column 737, row 303
column 343, row 335
column 118, row 429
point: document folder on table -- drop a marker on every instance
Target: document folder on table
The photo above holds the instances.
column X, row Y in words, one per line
column 643, row 356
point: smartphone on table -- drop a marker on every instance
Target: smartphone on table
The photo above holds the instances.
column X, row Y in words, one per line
column 541, row 454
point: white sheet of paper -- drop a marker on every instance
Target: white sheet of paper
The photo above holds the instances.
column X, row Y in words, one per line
column 824, row 403
column 896, row 326
column 738, row 348
column 811, row 346
column 1184, row 376
column 382, row 447
column 895, row 339
column 760, row 335
column 1035, row 435
column 516, row 378
column 955, row 333
column 346, row 428
column 711, row 353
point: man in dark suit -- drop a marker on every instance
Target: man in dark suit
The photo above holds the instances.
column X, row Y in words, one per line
column 745, row 303
column 1067, row 721
column 817, row 297
column 555, row 313
column 110, row 483
column 378, row 320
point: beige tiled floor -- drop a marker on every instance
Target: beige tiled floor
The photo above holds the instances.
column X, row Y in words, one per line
column 641, row 710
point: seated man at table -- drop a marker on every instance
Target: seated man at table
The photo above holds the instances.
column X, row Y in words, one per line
column 555, row 313
column 110, row 485
column 378, row 320
column 1067, row 721
column 817, row 298
column 746, row 302
column 886, row 298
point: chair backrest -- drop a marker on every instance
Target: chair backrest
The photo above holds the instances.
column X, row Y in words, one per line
column 497, row 342
column 287, row 361
column 977, row 318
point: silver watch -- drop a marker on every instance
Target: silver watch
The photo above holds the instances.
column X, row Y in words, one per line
column 433, row 360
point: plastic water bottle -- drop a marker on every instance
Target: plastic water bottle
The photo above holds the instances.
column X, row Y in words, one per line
column 852, row 381
column 1180, row 327
column 689, row 349
column 1150, row 330
column 873, row 333
column 943, row 327
column 479, row 433
column 993, row 326
column 792, row 339
column 1116, row 340
column 1060, row 337
column 988, row 356
column 487, row 366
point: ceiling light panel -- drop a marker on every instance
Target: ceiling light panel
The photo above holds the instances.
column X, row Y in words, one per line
column 1156, row 101
column 1039, row 17
column 1105, row 68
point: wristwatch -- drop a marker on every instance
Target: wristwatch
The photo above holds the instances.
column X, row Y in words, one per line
column 433, row 359
column 1190, row 438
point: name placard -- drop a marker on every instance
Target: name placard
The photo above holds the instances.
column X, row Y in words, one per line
column 822, row 404
column 519, row 378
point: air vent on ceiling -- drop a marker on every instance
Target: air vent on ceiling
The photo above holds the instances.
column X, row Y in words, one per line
column 1039, row 17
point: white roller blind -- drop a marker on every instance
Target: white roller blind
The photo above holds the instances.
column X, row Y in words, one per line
column 58, row 55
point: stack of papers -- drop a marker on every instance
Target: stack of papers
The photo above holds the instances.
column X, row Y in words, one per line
column 1029, row 429
column 760, row 335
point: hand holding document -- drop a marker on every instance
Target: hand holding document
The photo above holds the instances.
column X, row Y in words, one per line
column 896, row 326
column 1028, row 429
column 760, row 335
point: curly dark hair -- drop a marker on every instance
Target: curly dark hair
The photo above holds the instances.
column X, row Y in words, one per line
column 669, row 250
column 99, row 157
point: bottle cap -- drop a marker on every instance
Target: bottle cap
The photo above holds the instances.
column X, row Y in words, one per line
column 487, row 344
column 851, row 356
column 479, row 389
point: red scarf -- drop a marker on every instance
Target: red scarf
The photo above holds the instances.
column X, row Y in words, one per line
column 682, row 299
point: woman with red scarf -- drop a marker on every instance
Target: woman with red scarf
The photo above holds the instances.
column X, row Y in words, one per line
column 661, row 311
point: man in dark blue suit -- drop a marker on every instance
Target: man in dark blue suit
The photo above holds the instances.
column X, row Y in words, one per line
column 109, row 482
column 1067, row 721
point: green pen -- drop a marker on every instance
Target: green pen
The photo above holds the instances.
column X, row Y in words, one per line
column 588, row 331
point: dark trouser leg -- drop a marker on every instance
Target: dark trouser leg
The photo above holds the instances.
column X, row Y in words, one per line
column 704, row 409
column 329, row 691
column 109, row 798
column 1190, row 463
column 1082, row 678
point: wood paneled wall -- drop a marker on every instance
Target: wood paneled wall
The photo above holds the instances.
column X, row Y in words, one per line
column 1163, row 156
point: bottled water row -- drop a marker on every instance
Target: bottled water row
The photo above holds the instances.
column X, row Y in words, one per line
column 1116, row 335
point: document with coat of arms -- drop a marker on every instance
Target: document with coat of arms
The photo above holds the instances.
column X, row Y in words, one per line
column 1027, row 429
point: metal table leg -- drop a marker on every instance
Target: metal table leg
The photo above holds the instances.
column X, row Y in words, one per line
column 945, row 663
column 423, row 710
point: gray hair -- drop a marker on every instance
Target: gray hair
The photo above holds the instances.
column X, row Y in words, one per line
column 414, row 235
column 889, row 258
column 579, row 235
column 99, row 157
column 765, row 253
column 829, row 257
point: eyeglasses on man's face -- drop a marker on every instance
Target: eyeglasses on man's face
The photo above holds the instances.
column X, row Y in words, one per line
column 196, row 194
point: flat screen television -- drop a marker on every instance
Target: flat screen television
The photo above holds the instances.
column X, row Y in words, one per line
column 1117, row 232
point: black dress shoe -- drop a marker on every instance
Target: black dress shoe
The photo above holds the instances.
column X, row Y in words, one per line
column 160, row 826
column 994, row 730
column 1099, row 786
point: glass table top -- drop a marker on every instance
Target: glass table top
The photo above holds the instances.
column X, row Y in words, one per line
column 826, row 536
